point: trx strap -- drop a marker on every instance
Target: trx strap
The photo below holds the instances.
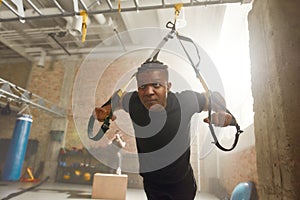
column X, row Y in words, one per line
column 211, row 128
column 181, row 38
column 117, row 95
column 115, row 98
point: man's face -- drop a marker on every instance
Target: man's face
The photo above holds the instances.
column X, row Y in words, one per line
column 153, row 88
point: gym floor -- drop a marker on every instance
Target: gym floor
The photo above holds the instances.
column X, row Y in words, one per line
column 59, row 191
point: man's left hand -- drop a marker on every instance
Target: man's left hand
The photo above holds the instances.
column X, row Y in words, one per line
column 220, row 119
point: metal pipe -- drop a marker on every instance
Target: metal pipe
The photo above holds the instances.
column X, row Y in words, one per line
column 109, row 5
column 30, row 102
column 120, row 40
column 136, row 3
column 10, row 95
column 34, row 7
column 12, row 9
column 17, row 88
column 52, row 35
column 163, row 3
column 83, row 5
column 95, row 2
column 58, row 6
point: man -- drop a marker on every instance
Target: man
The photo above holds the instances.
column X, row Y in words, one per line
column 161, row 121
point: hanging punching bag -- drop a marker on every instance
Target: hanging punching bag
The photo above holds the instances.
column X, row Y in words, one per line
column 17, row 149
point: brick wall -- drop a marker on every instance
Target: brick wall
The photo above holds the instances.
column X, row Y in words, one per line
column 238, row 167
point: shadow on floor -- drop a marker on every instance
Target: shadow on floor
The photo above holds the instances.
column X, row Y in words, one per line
column 73, row 194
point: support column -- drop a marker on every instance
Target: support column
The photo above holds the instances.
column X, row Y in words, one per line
column 274, row 50
column 61, row 124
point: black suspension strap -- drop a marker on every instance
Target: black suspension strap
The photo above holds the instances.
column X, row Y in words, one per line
column 202, row 81
column 117, row 95
column 210, row 99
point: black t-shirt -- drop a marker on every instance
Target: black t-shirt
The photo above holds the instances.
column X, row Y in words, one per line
column 163, row 138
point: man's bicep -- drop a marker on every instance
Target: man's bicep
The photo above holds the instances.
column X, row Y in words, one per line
column 195, row 102
column 202, row 101
column 125, row 101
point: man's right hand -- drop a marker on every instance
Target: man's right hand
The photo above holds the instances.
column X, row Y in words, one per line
column 100, row 113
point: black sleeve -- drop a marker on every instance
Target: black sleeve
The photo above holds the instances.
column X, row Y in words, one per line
column 125, row 100
column 193, row 100
column 201, row 100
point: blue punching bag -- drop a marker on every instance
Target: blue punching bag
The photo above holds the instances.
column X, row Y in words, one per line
column 17, row 149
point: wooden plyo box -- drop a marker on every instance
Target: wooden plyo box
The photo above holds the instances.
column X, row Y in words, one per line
column 109, row 186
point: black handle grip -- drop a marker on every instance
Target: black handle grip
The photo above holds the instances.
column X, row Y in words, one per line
column 102, row 130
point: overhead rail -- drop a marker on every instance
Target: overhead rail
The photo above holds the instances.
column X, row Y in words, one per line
column 97, row 7
column 22, row 98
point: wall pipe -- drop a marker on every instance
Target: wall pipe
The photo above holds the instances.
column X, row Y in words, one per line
column 14, row 97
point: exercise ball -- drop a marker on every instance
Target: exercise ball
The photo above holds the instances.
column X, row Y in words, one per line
column 242, row 191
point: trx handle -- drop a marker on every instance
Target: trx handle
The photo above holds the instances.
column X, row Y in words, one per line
column 216, row 142
column 102, row 130
column 233, row 123
column 105, row 125
column 237, row 134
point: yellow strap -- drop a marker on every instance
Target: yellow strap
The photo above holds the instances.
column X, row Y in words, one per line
column 119, row 6
column 120, row 92
column 178, row 7
column 84, row 24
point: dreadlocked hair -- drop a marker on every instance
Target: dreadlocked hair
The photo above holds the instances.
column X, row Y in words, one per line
column 153, row 65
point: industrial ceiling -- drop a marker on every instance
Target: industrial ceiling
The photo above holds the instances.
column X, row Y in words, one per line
column 30, row 29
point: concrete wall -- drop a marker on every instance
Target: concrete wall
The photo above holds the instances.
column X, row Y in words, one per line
column 274, row 46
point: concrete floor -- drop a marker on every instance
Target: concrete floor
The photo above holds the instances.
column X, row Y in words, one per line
column 59, row 191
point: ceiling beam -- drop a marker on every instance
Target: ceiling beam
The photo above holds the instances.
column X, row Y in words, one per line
column 17, row 49
column 111, row 9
